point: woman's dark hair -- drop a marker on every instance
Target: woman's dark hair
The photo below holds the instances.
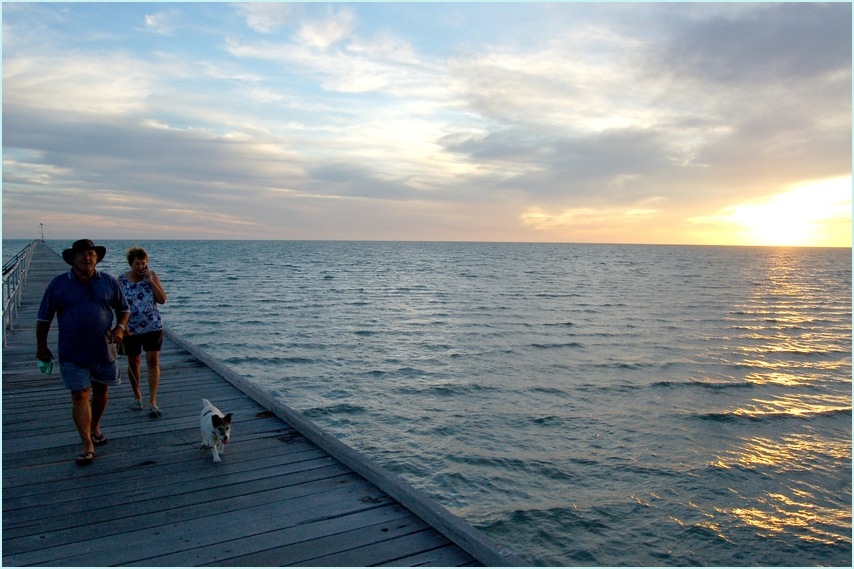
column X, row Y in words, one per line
column 135, row 253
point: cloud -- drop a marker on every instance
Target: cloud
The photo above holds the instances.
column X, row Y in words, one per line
column 778, row 43
column 342, row 71
column 385, row 46
column 576, row 116
column 163, row 23
column 323, row 33
column 542, row 85
column 266, row 17
column 112, row 84
column 584, row 219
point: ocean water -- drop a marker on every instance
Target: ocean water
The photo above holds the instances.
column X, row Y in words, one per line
column 585, row 405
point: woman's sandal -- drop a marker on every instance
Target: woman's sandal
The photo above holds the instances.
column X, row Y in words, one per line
column 84, row 459
column 99, row 440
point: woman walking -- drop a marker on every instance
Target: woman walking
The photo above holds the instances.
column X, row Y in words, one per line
column 143, row 291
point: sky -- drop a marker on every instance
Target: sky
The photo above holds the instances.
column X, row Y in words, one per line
column 672, row 123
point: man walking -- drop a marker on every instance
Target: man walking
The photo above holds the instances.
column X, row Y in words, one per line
column 84, row 300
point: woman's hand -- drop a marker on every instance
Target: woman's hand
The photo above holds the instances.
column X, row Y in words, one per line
column 157, row 288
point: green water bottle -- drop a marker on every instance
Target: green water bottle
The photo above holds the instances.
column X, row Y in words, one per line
column 46, row 367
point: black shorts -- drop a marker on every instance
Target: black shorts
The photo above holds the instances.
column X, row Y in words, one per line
column 150, row 341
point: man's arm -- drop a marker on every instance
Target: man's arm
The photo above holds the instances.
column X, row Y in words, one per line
column 121, row 326
column 122, row 311
column 43, row 353
column 44, row 317
column 122, row 319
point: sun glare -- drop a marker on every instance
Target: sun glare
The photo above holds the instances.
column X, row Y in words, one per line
column 815, row 214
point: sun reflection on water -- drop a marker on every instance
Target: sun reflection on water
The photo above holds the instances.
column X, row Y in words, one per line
column 782, row 515
column 796, row 405
column 783, row 378
column 796, row 508
column 790, row 342
column 793, row 452
column 790, row 333
column 776, row 515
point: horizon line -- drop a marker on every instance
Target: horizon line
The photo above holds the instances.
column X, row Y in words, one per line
column 461, row 241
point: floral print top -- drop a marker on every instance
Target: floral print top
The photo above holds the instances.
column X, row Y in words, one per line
column 144, row 314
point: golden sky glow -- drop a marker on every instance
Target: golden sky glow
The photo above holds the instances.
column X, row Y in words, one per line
column 813, row 214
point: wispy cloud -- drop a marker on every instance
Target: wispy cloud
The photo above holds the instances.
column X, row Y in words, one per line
column 76, row 83
column 266, row 17
column 333, row 27
column 164, row 22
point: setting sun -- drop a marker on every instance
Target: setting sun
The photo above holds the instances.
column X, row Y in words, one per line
column 813, row 214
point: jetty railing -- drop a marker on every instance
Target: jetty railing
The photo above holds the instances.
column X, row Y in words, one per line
column 14, row 276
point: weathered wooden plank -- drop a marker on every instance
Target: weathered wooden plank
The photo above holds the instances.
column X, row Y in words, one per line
column 63, row 496
column 212, row 527
column 447, row 556
column 160, row 523
column 367, row 552
column 325, row 551
column 126, row 465
column 156, row 440
column 154, row 500
column 297, row 531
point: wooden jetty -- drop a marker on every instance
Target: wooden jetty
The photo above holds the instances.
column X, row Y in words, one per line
column 286, row 493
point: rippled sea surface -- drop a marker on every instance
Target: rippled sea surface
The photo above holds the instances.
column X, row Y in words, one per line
column 590, row 405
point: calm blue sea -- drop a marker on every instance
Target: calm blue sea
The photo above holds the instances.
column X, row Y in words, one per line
column 594, row 405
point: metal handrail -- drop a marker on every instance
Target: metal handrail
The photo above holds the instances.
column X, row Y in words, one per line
column 14, row 276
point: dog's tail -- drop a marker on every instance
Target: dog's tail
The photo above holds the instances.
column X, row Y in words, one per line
column 206, row 403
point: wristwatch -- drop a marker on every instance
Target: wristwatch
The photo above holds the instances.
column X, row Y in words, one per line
column 122, row 326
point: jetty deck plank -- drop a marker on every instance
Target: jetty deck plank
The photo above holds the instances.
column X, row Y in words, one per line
column 286, row 493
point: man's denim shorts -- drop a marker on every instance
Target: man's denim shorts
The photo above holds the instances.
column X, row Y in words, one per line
column 76, row 377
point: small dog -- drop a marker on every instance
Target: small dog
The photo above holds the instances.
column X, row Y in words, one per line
column 216, row 429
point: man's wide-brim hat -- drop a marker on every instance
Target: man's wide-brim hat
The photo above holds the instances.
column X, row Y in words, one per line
column 83, row 245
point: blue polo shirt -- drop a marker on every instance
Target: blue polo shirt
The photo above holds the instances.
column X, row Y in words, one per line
column 85, row 315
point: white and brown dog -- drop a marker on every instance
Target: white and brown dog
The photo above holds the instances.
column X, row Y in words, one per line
column 216, row 429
